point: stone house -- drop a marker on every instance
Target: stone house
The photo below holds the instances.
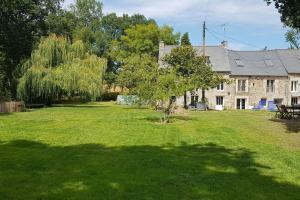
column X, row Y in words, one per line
column 256, row 76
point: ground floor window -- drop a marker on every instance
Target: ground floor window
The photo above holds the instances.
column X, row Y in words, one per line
column 241, row 104
column 219, row 101
column 294, row 100
column 194, row 99
column 278, row 102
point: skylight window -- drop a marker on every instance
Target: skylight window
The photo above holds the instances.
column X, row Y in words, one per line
column 269, row 63
column 239, row 63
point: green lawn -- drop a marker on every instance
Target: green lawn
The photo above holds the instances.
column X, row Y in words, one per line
column 104, row 151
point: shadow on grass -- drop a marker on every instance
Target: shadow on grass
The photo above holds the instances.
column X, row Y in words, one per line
column 31, row 170
column 79, row 106
column 157, row 119
column 292, row 126
column 5, row 114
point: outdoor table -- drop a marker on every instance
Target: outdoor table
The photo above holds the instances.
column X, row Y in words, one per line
column 295, row 110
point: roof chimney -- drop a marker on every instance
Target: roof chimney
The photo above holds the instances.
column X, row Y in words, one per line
column 224, row 43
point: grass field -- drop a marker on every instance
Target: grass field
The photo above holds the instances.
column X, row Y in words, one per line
column 104, row 151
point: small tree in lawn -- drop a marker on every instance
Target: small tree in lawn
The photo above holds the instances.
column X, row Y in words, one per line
column 181, row 59
column 194, row 70
column 142, row 75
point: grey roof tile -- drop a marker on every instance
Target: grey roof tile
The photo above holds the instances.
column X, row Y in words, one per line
column 290, row 59
column 248, row 63
column 256, row 63
column 218, row 56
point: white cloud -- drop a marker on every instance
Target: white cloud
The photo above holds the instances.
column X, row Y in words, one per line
column 252, row 12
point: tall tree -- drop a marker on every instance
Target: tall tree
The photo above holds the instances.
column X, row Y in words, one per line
column 185, row 40
column 22, row 24
column 142, row 39
column 58, row 68
column 62, row 23
column 114, row 27
column 88, row 12
column 289, row 10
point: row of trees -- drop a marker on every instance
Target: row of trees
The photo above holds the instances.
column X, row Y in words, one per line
column 25, row 22
column 52, row 53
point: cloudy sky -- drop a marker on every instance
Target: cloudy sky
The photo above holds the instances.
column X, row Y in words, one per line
column 245, row 24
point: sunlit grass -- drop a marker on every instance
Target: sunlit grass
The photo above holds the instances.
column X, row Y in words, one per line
column 105, row 151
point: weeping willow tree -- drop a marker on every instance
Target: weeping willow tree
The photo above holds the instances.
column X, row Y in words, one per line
column 61, row 69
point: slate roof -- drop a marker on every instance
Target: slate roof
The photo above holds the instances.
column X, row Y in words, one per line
column 290, row 59
column 256, row 63
column 249, row 63
column 217, row 54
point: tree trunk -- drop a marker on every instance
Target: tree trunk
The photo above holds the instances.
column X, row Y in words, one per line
column 185, row 100
column 168, row 111
column 203, row 99
column 203, row 96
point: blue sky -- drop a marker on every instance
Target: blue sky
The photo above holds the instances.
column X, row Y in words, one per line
column 249, row 24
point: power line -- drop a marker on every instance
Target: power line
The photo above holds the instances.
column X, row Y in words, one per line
column 215, row 36
column 237, row 40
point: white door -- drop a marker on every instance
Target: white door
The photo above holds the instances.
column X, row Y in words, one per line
column 241, row 104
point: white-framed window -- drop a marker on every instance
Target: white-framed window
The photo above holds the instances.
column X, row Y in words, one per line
column 220, row 87
column 241, row 103
column 294, row 100
column 241, row 85
column 294, row 85
column 270, row 85
column 219, row 101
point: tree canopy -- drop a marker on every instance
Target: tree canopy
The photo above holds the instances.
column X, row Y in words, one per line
column 58, row 68
column 289, row 10
column 23, row 22
column 194, row 69
column 142, row 39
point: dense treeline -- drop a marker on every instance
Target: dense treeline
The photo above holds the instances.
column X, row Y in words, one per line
column 24, row 23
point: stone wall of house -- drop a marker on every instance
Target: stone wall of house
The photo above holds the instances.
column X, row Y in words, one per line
column 291, row 94
column 256, row 89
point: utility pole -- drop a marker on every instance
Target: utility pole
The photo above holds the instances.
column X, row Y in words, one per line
column 203, row 38
column 204, row 57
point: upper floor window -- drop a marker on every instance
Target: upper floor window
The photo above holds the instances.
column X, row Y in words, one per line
column 294, row 85
column 220, row 87
column 241, row 86
column 270, row 85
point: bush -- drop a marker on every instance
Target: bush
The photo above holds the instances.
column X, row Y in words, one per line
column 109, row 96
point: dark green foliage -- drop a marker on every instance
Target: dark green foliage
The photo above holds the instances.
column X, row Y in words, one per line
column 62, row 23
column 109, row 96
column 289, row 10
column 22, row 24
column 185, row 40
column 25, row 21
